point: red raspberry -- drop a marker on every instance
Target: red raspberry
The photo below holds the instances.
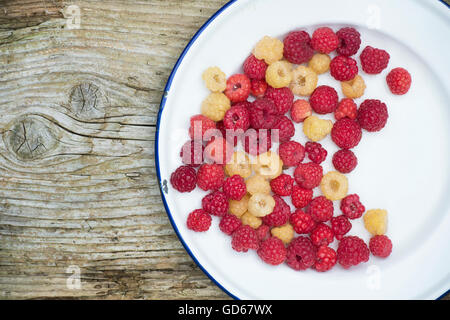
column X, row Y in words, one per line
column 321, row 209
column 291, row 153
column 285, row 127
column 380, row 246
column 301, row 197
column 263, row 232
column 301, row 254
column 255, row 68
column 325, row 259
column 344, row 161
column 283, row 98
column 246, row 104
column 184, row 179
column 272, row 251
column 244, row 238
column 346, row 108
column 229, row 223
column 238, row 88
column 297, row 48
column 198, row 220
column 324, row 40
column 316, row 153
column 343, row 68
column 237, row 117
column 234, row 187
column 232, row 136
column 258, row 88
column 199, row 125
column 340, row 226
column 372, row 115
column 349, row 41
column 352, row 251
column 218, row 150
column 263, row 114
column 399, row 81
column 324, row 99
column 210, row 176
column 257, row 141
column 192, row 153
column 302, row 222
column 322, row 235
column 301, row 109
column 308, row 175
column 373, row 60
column 351, row 207
column 280, row 214
column 282, row 185
column 346, row 133
column 215, row 203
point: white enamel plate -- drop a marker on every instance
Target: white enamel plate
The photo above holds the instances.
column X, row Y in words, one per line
column 405, row 168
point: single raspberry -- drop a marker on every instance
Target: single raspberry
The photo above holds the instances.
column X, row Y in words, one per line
column 374, row 60
column 301, row 197
column 349, row 41
column 184, row 179
column 316, row 153
column 372, row 115
column 291, row 153
column 258, row 88
column 215, row 105
column 324, row 40
column 199, row 220
column 237, row 117
column 215, row 203
column 210, row 176
column 326, row 258
column 346, row 133
column 229, row 223
column 244, row 238
column 301, row 109
column 308, row 175
column 263, row 232
column 380, row 246
column 234, row 187
column 214, row 78
column 297, row 47
column 302, row 222
column 192, row 153
column 322, row 235
column 285, row 127
column 352, row 251
column 316, row 129
column 324, row 99
column 199, row 125
column 282, row 185
column 301, row 254
column 218, row 150
column 343, row 68
column 344, row 161
column 238, row 88
column 375, row 221
column 321, row 209
column 346, row 108
column 272, row 251
column 279, row 74
column 351, row 207
column 263, row 114
column 281, row 97
column 280, row 214
column 270, row 49
column 257, row 142
column 334, row 185
column 255, row 68
column 399, row 81
column 340, row 226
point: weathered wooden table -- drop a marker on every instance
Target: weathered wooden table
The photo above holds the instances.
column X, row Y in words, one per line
column 80, row 210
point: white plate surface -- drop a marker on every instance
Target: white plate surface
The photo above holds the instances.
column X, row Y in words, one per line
column 405, row 168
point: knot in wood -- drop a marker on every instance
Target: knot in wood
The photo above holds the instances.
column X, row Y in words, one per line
column 86, row 100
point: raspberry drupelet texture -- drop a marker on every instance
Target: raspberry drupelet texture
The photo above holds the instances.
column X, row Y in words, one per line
column 346, row 133
column 372, row 115
column 238, row 88
column 297, row 47
column 280, row 214
column 184, row 179
column 324, row 99
column 250, row 220
column 324, row 40
column 347, row 108
column 301, row 109
column 316, row 129
column 326, row 259
column 234, row 187
column 192, row 153
column 272, row 251
column 215, row 203
column 374, row 60
column 321, row 209
column 284, row 233
column 257, row 142
column 380, row 246
column 237, row 117
column 349, row 41
column 322, row 235
column 282, row 185
column 218, row 150
column 285, row 127
column 258, row 88
column 229, row 223
column 257, row 184
column 215, row 105
column 198, row 220
column 281, row 97
column 301, row 254
column 308, row 175
column 291, row 153
column 354, row 88
column 340, row 226
column 244, row 239
column 316, row 153
column 263, row 232
column 301, row 197
column 302, row 222
column 343, row 68
column 352, row 207
column 238, row 208
column 375, row 221
column 239, row 164
column 199, row 126
column 210, row 176
column 352, row 251
column 263, row 114
column 269, row 49
column 344, row 161
column 398, row 81
column 320, row 63
column 255, row 68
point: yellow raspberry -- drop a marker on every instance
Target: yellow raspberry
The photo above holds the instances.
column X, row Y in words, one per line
column 304, row 81
column 279, row 74
column 334, row 185
column 375, row 221
column 238, row 208
column 320, row 63
column 269, row 165
column 284, row 233
column 316, row 129
column 354, row 88
column 239, row 164
column 215, row 79
column 250, row 220
column 270, row 49
column 215, row 105
column 260, row 204
column 257, row 184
